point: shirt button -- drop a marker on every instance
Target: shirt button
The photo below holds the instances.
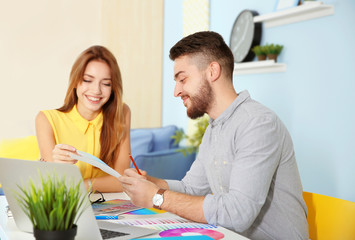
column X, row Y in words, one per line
column 224, row 162
column 215, row 162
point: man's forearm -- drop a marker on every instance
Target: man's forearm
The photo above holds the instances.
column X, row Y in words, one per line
column 161, row 183
column 186, row 206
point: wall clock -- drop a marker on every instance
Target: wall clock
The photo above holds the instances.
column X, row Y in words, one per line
column 245, row 35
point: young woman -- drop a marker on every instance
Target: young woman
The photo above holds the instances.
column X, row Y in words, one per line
column 93, row 119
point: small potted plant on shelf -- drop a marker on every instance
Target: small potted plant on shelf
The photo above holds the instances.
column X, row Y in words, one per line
column 259, row 52
column 272, row 51
column 53, row 206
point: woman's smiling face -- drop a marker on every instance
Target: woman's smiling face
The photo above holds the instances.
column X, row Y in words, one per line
column 94, row 90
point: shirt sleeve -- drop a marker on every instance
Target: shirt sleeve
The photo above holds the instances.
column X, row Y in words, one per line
column 255, row 157
column 195, row 181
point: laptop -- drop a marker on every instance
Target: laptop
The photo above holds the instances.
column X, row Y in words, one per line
column 15, row 172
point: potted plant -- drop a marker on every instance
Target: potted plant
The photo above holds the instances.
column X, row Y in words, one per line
column 259, row 52
column 272, row 51
column 193, row 140
column 53, row 206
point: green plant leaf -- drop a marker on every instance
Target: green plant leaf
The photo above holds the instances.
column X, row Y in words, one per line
column 259, row 50
column 53, row 204
column 179, row 136
column 195, row 139
column 273, row 49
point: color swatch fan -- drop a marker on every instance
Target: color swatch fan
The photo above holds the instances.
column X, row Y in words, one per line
column 116, row 206
column 191, row 232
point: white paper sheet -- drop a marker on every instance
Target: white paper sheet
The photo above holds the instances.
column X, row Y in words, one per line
column 92, row 160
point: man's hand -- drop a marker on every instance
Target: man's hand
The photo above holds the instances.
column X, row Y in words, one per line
column 138, row 188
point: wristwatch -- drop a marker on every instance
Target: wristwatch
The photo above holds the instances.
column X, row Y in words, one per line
column 158, row 198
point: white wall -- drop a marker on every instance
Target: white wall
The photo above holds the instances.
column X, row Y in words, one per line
column 39, row 41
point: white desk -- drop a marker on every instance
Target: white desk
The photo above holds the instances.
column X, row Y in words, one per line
column 12, row 233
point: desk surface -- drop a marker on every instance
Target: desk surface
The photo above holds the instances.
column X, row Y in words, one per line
column 11, row 231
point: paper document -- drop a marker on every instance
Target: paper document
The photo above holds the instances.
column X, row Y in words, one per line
column 92, row 160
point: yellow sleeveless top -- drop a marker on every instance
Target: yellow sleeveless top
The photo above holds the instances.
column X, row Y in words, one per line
column 72, row 129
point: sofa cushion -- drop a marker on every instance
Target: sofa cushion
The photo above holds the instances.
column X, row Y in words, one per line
column 25, row 148
column 141, row 142
column 162, row 137
column 167, row 164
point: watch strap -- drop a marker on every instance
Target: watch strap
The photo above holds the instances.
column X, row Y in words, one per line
column 160, row 192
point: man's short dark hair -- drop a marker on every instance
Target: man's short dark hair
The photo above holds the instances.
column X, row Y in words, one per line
column 210, row 45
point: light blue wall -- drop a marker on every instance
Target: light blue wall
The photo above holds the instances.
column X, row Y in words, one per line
column 173, row 110
column 314, row 97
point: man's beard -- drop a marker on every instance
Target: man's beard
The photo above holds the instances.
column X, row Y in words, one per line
column 201, row 102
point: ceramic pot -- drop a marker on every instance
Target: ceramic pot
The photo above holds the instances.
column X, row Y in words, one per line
column 55, row 235
column 261, row 57
column 272, row 56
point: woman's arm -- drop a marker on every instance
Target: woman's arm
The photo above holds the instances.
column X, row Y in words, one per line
column 51, row 152
column 109, row 183
column 45, row 137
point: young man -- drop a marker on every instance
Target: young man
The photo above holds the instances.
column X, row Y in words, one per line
column 245, row 176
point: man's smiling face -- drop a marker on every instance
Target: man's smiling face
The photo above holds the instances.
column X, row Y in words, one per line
column 192, row 86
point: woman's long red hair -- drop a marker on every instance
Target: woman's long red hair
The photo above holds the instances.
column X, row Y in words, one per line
column 113, row 130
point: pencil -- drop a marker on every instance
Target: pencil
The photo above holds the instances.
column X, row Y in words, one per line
column 134, row 163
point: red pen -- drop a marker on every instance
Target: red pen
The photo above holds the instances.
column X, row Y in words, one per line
column 134, row 163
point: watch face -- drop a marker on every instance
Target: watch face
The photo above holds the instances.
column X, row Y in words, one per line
column 245, row 35
column 158, row 199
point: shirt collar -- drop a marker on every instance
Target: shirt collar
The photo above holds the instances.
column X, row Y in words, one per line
column 82, row 123
column 242, row 96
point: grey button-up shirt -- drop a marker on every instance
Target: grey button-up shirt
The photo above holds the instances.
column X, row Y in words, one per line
column 247, row 170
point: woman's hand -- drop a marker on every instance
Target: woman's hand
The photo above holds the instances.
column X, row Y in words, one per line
column 61, row 154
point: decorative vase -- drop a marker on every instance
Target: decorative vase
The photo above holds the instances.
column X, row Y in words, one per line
column 55, row 235
column 272, row 57
column 261, row 57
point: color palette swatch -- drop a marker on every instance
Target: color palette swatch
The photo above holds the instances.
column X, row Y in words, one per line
column 145, row 211
column 116, row 206
column 191, row 232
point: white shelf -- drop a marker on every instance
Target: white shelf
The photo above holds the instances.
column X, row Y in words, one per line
column 303, row 12
column 296, row 14
column 266, row 66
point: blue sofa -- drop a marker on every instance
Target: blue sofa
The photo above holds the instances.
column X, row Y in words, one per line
column 154, row 151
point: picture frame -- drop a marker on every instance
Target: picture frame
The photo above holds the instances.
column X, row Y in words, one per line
column 285, row 4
